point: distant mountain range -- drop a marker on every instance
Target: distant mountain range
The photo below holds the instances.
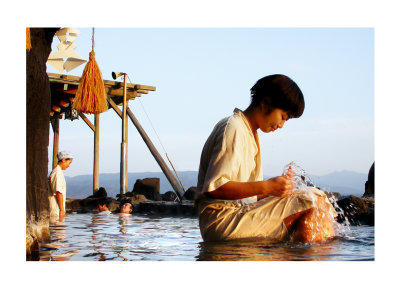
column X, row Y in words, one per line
column 343, row 182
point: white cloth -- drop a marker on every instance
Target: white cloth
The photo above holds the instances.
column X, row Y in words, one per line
column 57, row 184
column 64, row 155
column 232, row 153
column 104, row 213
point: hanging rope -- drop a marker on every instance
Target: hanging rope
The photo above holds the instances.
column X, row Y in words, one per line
column 28, row 39
column 176, row 173
column 91, row 96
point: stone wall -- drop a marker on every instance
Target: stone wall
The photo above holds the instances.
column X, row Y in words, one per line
column 37, row 137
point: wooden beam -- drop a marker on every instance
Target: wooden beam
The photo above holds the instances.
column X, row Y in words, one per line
column 68, row 91
column 55, row 124
column 87, row 121
column 131, row 94
column 106, row 82
column 63, row 76
column 114, row 106
column 119, row 92
column 110, row 91
column 118, row 84
column 117, row 99
column 96, row 153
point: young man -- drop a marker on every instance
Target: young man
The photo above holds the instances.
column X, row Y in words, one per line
column 58, row 187
column 234, row 201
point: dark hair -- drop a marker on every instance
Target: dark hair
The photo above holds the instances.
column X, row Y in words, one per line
column 67, row 159
column 278, row 91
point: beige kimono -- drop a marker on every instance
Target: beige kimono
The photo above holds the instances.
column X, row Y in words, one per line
column 232, row 153
column 57, row 184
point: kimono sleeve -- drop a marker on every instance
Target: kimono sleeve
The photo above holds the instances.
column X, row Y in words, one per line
column 226, row 158
column 55, row 183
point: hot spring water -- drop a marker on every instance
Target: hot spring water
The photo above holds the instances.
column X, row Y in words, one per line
column 96, row 237
column 99, row 237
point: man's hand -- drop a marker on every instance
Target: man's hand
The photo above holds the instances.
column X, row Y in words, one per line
column 281, row 186
column 62, row 216
column 290, row 173
column 60, row 202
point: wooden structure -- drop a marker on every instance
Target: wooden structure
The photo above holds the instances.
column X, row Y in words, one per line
column 63, row 90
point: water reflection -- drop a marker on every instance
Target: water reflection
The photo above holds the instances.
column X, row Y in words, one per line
column 109, row 236
column 56, row 242
column 262, row 250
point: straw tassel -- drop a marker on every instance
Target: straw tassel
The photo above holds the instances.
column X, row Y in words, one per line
column 28, row 39
column 91, row 96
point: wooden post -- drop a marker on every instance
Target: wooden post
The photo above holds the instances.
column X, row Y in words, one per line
column 126, row 162
column 56, row 126
column 124, row 146
column 96, row 153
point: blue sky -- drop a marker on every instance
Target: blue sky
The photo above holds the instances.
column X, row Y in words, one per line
column 202, row 74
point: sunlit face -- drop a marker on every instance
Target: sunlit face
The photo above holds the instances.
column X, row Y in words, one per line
column 65, row 163
column 126, row 208
column 274, row 120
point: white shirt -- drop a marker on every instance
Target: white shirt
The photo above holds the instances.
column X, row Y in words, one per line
column 57, row 182
column 231, row 153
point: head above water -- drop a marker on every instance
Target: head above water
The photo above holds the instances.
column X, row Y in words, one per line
column 278, row 91
column 126, row 208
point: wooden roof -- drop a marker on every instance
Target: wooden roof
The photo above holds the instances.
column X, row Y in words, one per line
column 63, row 89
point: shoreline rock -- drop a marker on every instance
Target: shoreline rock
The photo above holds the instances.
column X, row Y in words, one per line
column 370, row 183
column 149, row 187
column 358, row 211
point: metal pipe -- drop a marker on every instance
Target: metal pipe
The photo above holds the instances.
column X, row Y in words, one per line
column 124, row 146
column 123, row 183
column 124, row 119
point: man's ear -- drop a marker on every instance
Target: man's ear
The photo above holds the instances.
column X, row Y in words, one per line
column 266, row 106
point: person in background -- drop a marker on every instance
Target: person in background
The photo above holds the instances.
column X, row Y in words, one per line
column 125, row 209
column 58, row 187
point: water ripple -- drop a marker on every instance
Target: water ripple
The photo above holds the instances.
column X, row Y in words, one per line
column 94, row 237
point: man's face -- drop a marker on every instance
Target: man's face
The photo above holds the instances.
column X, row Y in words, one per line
column 126, row 208
column 64, row 164
column 274, row 120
